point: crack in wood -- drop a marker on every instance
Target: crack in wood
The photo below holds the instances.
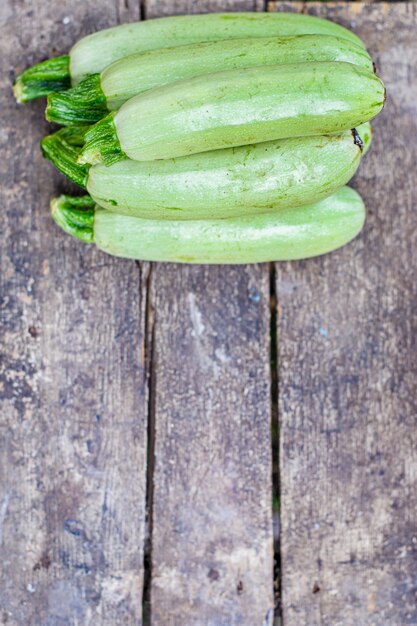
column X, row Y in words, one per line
column 150, row 377
column 275, row 437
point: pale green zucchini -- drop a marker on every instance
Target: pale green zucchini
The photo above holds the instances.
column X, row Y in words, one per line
column 281, row 236
column 93, row 53
column 218, row 184
column 234, row 108
column 229, row 182
column 100, row 93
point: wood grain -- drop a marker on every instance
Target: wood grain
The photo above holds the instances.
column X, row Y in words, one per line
column 72, row 378
column 347, row 372
column 212, row 531
column 161, row 8
column 83, row 335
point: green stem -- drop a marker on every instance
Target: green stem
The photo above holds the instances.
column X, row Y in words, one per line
column 102, row 143
column 42, row 79
column 63, row 149
column 75, row 216
column 83, row 104
column 73, row 135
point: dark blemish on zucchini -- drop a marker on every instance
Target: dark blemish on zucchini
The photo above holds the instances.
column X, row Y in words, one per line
column 186, row 259
column 247, row 155
column 112, row 202
column 356, row 139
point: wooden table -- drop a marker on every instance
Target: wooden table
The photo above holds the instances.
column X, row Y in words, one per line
column 137, row 399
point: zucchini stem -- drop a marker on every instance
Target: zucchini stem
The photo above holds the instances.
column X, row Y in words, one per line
column 357, row 140
column 63, row 148
column 102, row 143
column 83, row 104
column 75, row 216
column 365, row 132
column 42, row 79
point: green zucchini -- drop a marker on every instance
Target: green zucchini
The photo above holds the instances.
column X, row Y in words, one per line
column 93, row 53
column 100, row 93
column 63, row 149
column 217, row 184
column 234, row 108
column 281, row 236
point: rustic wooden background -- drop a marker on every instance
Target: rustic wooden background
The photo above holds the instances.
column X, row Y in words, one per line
column 137, row 400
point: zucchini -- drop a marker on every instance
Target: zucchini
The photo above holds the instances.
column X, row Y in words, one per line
column 93, row 53
column 217, row 184
column 100, row 93
column 63, row 148
column 285, row 235
column 234, row 108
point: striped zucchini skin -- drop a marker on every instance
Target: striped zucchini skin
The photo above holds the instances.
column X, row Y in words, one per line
column 230, row 182
column 244, row 106
column 285, row 235
column 137, row 73
column 93, row 53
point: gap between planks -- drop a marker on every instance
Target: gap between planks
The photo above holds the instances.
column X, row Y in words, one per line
column 273, row 334
column 150, row 381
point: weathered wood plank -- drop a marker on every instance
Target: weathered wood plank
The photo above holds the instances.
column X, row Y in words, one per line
column 128, row 10
column 212, row 531
column 72, row 381
column 347, row 371
column 160, row 8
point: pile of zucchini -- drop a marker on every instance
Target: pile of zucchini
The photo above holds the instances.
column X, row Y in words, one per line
column 221, row 138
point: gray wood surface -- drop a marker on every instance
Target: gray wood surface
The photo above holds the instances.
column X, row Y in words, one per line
column 135, row 449
column 347, row 376
column 212, row 534
column 160, row 8
column 72, row 378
